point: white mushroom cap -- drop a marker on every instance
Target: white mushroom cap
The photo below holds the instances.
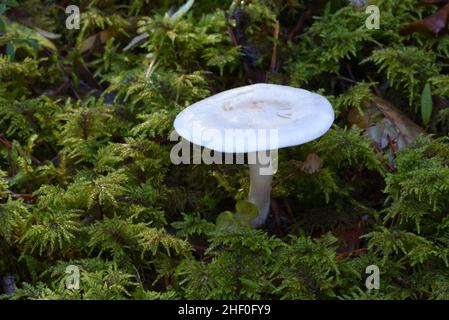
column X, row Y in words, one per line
column 297, row 115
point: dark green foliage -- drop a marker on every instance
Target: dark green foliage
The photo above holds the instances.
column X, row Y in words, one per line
column 86, row 177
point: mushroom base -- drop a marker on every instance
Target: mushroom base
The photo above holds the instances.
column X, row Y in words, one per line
column 260, row 191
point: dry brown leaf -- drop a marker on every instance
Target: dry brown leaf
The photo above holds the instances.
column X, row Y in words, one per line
column 95, row 40
column 386, row 125
column 434, row 24
column 312, row 164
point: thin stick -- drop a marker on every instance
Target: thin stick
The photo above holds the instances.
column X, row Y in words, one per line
column 300, row 24
column 274, row 59
column 26, row 196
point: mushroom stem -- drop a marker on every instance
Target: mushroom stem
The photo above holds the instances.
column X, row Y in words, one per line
column 260, row 188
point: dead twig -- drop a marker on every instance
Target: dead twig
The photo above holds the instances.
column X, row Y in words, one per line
column 351, row 74
column 357, row 252
column 5, row 141
column 300, row 24
column 274, row 60
column 26, row 196
column 233, row 38
column 346, row 79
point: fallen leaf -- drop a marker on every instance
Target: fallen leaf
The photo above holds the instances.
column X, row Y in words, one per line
column 182, row 10
column 385, row 124
column 135, row 41
column 408, row 131
column 434, row 24
column 350, row 238
column 47, row 34
column 312, row 164
column 95, row 40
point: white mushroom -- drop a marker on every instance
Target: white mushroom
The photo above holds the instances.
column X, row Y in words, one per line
column 257, row 120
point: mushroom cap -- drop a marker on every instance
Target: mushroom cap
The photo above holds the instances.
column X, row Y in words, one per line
column 235, row 121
